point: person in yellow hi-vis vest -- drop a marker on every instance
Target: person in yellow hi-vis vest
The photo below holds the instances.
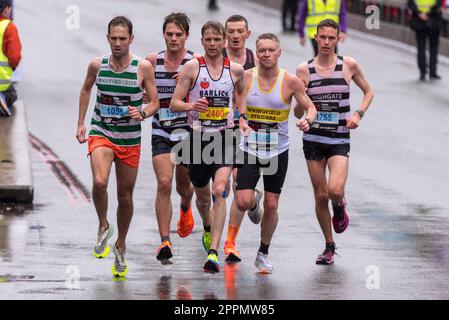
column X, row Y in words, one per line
column 312, row 12
column 427, row 22
column 10, row 56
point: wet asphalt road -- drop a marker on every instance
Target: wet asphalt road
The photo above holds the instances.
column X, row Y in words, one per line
column 397, row 246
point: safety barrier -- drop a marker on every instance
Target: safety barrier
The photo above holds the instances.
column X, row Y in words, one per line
column 16, row 180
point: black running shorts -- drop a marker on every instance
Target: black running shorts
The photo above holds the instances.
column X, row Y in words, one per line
column 161, row 145
column 208, row 155
column 249, row 172
column 317, row 151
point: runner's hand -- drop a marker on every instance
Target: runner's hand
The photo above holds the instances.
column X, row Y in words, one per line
column 134, row 113
column 353, row 121
column 200, row 105
column 303, row 124
column 81, row 134
column 302, row 41
column 245, row 129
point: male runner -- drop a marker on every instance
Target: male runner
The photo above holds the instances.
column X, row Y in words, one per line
column 237, row 32
column 209, row 84
column 115, row 132
column 269, row 92
column 167, row 65
column 326, row 144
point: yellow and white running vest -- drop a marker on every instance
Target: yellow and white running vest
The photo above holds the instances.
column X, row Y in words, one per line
column 267, row 114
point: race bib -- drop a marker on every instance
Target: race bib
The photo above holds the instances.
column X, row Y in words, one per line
column 327, row 116
column 214, row 113
column 167, row 115
column 114, row 111
column 263, row 139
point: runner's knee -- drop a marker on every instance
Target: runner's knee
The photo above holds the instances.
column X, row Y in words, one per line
column 243, row 203
column 125, row 199
column 164, row 186
column 100, row 185
column 270, row 206
column 184, row 190
column 322, row 197
column 203, row 202
column 336, row 193
column 220, row 190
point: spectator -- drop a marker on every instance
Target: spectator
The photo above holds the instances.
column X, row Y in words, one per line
column 10, row 56
column 213, row 5
column 427, row 21
column 289, row 7
column 312, row 12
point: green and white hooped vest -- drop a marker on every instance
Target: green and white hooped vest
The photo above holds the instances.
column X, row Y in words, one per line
column 267, row 114
column 116, row 91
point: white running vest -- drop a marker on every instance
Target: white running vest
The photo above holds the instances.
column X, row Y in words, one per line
column 219, row 115
column 267, row 114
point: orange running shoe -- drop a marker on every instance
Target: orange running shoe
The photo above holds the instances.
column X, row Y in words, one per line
column 232, row 255
column 164, row 253
column 185, row 223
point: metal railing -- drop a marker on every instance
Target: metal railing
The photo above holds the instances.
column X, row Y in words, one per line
column 394, row 11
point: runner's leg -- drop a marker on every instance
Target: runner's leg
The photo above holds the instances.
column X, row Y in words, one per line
column 218, row 211
column 163, row 169
column 317, row 172
column 101, row 162
column 126, row 179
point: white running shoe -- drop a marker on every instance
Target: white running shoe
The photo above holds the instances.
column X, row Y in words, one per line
column 101, row 249
column 120, row 267
column 256, row 215
column 262, row 263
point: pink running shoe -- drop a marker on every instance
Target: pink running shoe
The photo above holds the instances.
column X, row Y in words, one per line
column 340, row 220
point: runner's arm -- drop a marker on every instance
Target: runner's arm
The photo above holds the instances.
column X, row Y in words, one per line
column 302, row 73
column 368, row 93
column 152, row 57
column 86, row 89
column 186, row 80
column 303, row 103
column 237, row 73
column 149, row 84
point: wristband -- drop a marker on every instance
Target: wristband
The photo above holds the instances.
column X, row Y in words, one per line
column 309, row 122
column 361, row 113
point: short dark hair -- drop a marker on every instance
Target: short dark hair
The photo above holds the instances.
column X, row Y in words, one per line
column 216, row 27
column 236, row 18
column 4, row 4
column 178, row 18
column 328, row 23
column 121, row 21
column 268, row 36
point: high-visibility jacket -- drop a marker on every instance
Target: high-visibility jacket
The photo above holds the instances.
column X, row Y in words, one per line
column 319, row 11
column 5, row 68
column 424, row 6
